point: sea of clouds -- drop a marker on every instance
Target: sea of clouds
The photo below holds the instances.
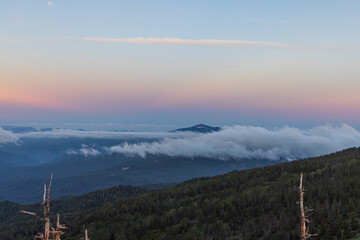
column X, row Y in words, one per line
column 251, row 142
column 231, row 142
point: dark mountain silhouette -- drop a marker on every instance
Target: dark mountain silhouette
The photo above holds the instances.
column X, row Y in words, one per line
column 20, row 129
column 200, row 128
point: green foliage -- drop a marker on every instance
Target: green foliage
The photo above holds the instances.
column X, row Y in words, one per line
column 252, row 204
column 15, row 225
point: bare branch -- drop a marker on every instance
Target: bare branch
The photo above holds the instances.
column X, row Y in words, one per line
column 39, row 236
column 32, row 214
column 43, row 203
column 48, row 194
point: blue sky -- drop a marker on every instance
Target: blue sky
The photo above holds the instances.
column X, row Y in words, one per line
column 275, row 62
column 305, row 22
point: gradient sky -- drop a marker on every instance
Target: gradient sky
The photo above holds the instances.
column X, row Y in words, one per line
column 180, row 62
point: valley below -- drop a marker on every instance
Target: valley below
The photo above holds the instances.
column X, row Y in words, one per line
column 117, row 190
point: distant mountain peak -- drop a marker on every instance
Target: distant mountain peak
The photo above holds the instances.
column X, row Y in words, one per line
column 200, row 128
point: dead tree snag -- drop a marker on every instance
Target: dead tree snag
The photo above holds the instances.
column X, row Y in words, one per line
column 304, row 234
column 50, row 233
column 86, row 235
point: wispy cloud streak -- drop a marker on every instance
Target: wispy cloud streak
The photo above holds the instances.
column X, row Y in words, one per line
column 192, row 42
column 221, row 43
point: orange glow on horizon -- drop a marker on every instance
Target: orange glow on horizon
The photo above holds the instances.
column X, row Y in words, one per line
column 25, row 99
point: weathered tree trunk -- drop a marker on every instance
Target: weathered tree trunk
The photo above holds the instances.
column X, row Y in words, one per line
column 59, row 227
column 86, row 235
column 49, row 232
column 304, row 233
column 302, row 212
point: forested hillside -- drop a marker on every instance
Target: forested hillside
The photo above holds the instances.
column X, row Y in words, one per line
column 251, row 204
column 80, row 174
column 15, row 225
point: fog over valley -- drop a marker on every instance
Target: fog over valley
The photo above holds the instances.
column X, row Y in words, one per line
column 234, row 142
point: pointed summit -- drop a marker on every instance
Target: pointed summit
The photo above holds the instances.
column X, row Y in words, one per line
column 200, row 128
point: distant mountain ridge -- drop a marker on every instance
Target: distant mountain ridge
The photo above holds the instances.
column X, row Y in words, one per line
column 80, row 174
column 22, row 129
column 19, row 129
column 200, row 128
column 8, row 159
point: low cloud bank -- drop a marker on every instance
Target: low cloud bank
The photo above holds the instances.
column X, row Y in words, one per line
column 85, row 150
column 7, row 137
column 250, row 142
column 231, row 142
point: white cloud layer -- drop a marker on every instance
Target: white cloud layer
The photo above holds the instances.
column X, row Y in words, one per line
column 231, row 142
column 7, row 137
column 85, row 150
column 251, row 142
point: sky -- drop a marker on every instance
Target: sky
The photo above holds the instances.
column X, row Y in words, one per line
column 267, row 63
